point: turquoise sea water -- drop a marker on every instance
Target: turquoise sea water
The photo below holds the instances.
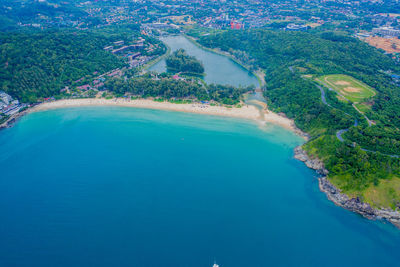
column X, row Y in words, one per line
column 218, row 69
column 113, row 186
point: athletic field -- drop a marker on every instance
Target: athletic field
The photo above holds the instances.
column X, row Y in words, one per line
column 348, row 87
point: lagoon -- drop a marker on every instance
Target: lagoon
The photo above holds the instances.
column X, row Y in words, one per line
column 219, row 69
column 117, row 186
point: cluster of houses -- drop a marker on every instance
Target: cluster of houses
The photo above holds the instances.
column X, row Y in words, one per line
column 8, row 105
column 120, row 48
column 133, row 52
column 96, row 84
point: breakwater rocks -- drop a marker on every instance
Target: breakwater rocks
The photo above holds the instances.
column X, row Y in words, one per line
column 334, row 194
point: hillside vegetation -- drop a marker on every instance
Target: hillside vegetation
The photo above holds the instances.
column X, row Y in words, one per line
column 182, row 89
column 39, row 64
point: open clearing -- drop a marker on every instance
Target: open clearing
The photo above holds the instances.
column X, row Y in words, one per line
column 348, row 87
column 386, row 194
column 390, row 45
column 363, row 107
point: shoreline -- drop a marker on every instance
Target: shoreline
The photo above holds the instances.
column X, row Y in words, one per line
column 249, row 112
column 13, row 118
column 151, row 63
column 340, row 199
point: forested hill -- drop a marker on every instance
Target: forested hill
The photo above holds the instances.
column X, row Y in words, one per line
column 312, row 54
column 294, row 62
column 326, row 51
column 39, row 64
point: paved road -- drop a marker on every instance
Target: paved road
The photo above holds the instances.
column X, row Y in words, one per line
column 323, row 97
column 354, row 106
column 341, row 132
column 368, row 120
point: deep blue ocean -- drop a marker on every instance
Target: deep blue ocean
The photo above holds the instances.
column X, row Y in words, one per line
column 113, row 186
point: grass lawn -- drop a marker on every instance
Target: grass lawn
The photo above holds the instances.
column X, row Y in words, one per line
column 348, row 87
column 307, row 76
column 386, row 194
column 363, row 107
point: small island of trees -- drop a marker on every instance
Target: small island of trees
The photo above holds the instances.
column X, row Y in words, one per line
column 180, row 61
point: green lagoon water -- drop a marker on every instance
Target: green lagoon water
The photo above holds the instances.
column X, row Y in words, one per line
column 114, row 186
column 219, row 69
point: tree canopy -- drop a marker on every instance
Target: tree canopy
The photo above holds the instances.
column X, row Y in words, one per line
column 180, row 61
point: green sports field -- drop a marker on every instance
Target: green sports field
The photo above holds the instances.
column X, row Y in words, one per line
column 348, row 87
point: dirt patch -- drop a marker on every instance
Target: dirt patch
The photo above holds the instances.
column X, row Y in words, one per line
column 390, row 45
column 342, row 83
column 351, row 89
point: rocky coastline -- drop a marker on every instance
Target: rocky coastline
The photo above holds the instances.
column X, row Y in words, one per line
column 13, row 118
column 335, row 195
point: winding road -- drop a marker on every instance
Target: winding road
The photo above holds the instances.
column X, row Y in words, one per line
column 339, row 134
column 342, row 131
column 353, row 104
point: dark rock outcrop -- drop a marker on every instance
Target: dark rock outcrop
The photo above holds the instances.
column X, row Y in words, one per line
column 13, row 118
column 314, row 164
column 335, row 195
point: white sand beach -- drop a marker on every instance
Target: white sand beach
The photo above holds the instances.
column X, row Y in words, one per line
column 245, row 112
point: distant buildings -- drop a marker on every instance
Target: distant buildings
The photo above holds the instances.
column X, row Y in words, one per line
column 119, row 43
column 386, row 31
column 8, row 105
column 236, row 25
column 5, row 98
column 159, row 26
column 296, row 27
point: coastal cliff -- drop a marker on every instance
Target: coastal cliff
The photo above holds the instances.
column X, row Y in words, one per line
column 335, row 195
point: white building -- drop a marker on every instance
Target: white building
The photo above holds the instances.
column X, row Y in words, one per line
column 6, row 98
column 386, row 31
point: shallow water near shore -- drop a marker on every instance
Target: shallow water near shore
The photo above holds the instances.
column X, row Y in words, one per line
column 116, row 186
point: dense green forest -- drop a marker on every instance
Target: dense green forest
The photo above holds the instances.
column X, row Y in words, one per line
column 180, row 61
column 170, row 88
column 54, row 14
column 288, row 58
column 39, row 64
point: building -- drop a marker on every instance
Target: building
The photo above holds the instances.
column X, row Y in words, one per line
column 127, row 48
column 119, row 43
column 4, row 97
column 295, row 27
column 386, row 31
column 133, row 56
